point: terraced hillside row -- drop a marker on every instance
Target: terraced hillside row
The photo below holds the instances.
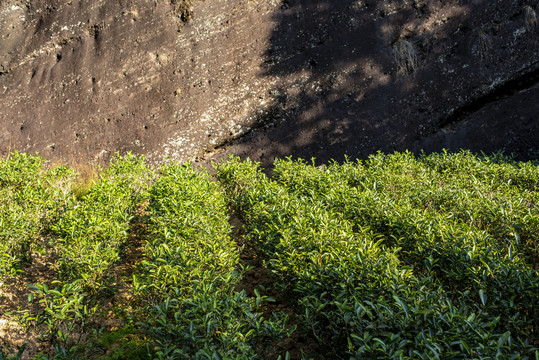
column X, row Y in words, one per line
column 396, row 257
column 399, row 257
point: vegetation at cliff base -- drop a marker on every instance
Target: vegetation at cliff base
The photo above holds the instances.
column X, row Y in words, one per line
column 395, row 257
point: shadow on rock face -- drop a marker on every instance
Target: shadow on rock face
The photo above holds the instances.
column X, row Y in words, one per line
column 356, row 77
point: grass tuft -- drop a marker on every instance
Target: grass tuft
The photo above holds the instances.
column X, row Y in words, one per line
column 87, row 176
column 405, row 56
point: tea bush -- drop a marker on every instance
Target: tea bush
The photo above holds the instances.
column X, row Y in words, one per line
column 397, row 257
column 31, row 197
column 401, row 257
column 190, row 274
column 91, row 233
column 87, row 239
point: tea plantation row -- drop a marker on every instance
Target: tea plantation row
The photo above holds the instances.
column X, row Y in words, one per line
column 396, row 257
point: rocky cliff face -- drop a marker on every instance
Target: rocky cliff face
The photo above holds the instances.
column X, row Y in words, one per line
column 82, row 79
column 88, row 78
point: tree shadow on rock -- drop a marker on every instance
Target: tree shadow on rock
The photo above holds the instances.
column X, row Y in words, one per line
column 355, row 77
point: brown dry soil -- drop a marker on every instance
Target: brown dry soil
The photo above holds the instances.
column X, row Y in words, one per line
column 13, row 297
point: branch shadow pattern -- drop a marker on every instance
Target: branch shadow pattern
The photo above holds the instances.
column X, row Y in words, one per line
column 355, row 77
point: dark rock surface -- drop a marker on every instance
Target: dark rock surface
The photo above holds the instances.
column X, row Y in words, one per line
column 467, row 78
column 83, row 79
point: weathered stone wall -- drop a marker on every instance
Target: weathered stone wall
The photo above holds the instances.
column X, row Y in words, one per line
column 82, row 79
column 87, row 78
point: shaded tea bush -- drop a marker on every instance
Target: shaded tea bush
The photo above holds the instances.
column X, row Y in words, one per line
column 400, row 257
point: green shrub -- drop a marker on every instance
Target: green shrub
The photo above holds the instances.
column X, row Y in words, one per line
column 32, row 197
column 191, row 272
column 383, row 257
column 91, row 234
